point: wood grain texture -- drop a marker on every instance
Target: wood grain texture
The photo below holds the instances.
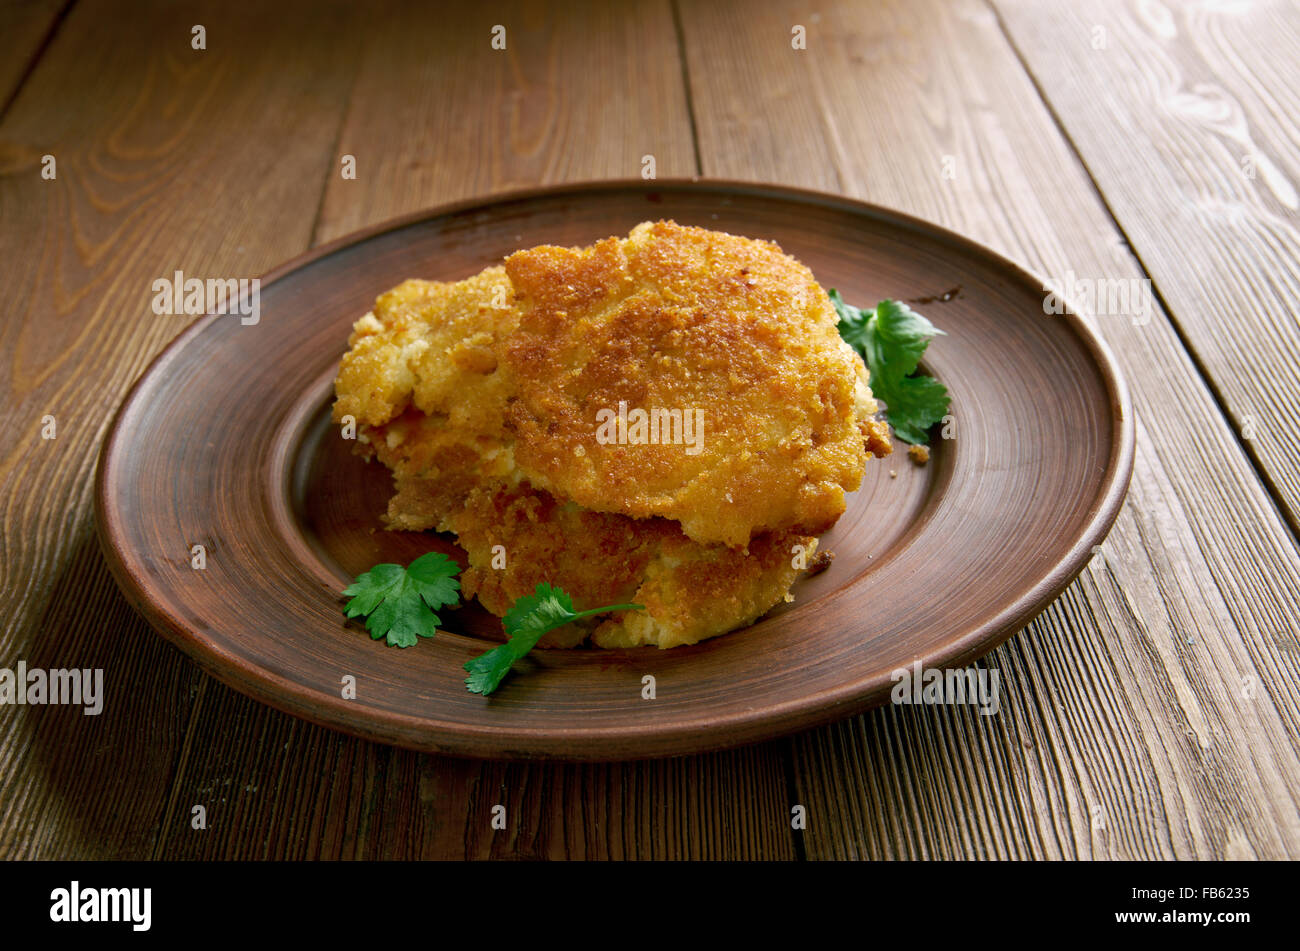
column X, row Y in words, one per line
column 1186, row 117
column 570, row 98
column 437, row 114
column 147, row 183
column 1153, row 710
column 278, row 787
column 25, row 27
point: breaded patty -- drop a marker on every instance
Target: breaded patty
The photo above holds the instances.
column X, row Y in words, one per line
column 431, row 345
column 690, row 591
column 424, row 380
column 503, row 376
column 674, row 318
column 481, row 396
column 440, row 428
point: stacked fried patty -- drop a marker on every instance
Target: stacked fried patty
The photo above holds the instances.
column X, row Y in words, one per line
column 486, row 398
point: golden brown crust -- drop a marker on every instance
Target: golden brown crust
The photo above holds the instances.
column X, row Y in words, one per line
column 481, row 397
column 679, row 318
column 423, row 378
column 429, row 344
column 690, row 591
column 693, row 592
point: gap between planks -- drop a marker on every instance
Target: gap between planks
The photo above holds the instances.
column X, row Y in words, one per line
column 1270, row 486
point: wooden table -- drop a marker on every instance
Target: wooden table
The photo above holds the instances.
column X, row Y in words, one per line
column 1152, row 711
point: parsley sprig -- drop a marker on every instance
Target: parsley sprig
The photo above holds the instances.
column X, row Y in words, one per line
column 399, row 603
column 892, row 339
column 526, row 622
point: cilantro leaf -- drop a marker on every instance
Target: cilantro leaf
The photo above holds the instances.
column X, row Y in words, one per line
column 399, row 603
column 526, row 622
column 892, row 339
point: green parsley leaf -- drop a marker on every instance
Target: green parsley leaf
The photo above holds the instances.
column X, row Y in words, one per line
column 892, row 339
column 399, row 603
column 528, row 619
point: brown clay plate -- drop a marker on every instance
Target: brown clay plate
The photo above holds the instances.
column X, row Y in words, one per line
column 225, row 442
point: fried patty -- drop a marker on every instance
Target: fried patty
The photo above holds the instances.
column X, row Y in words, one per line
column 728, row 329
column 435, row 347
column 482, row 397
column 690, row 591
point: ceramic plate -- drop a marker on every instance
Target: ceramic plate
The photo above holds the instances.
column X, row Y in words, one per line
column 225, row 442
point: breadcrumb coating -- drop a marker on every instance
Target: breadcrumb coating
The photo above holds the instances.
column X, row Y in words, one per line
column 690, row 591
column 436, row 347
column 481, row 396
column 687, row 319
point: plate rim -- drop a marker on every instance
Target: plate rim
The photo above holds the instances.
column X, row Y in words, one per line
column 806, row 712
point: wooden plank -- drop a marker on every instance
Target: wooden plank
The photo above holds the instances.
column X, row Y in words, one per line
column 24, row 29
column 1153, row 709
column 162, row 168
column 1185, row 116
column 276, row 787
column 436, row 115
